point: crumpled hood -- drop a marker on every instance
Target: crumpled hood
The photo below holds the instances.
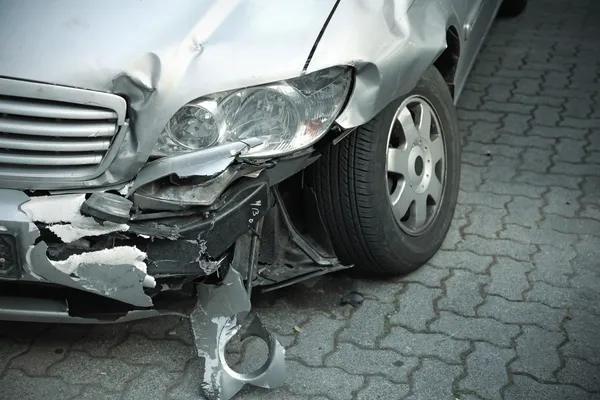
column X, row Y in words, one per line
column 182, row 47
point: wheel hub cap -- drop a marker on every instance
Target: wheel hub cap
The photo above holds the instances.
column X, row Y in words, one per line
column 415, row 165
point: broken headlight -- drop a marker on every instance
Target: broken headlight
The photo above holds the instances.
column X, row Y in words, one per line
column 288, row 115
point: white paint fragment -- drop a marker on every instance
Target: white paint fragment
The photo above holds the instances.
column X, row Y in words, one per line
column 129, row 255
column 62, row 214
column 125, row 190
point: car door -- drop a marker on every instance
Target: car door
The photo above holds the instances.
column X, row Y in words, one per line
column 477, row 20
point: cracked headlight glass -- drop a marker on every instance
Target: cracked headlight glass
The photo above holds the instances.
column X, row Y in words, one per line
column 288, row 115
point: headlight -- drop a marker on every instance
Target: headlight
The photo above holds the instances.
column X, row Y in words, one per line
column 288, row 115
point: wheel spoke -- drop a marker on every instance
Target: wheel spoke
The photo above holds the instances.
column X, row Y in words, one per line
column 425, row 120
column 397, row 161
column 434, row 189
column 437, row 150
column 420, row 210
column 402, row 203
column 408, row 126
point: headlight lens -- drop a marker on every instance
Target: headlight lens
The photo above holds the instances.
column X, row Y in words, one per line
column 287, row 116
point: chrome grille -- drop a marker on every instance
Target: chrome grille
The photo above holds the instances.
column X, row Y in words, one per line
column 56, row 132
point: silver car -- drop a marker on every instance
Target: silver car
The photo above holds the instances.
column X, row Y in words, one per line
column 170, row 157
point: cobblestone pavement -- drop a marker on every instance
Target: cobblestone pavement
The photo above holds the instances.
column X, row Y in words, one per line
column 508, row 309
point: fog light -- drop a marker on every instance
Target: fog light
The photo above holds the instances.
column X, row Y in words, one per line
column 9, row 266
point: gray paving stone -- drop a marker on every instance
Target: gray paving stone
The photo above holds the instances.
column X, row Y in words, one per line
column 580, row 373
column 415, row 307
column 526, row 388
column 480, row 116
column 16, row 384
column 48, row 349
column 157, row 328
column 485, row 221
column 578, row 170
column 582, row 329
column 381, row 389
column 583, row 123
column 161, row 381
column 553, row 265
column 434, row 380
column 570, row 150
column 520, row 140
column 479, row 329
column 517, row 124
column 357, row 361
column 522, row 313
column 538, row 100
column 100, row 340
column 253, row 393
column 524, row 211
column 330, row 382
column 537, row 352
column 428, row 276
column 487, row 370
column 81, row 369
column 462, row 260
column 424, row 345
column 454, row 235
column 535, row 160
column 538, row 236
column 171, row 354
column 367, row 323
column 315, row 340
column 470, row 177
column 384, row 291
column 8, row 350
column 570, row 225
column 497, row 247
column 483, row 199
column 498, row 169
column 562, row 201
column 496, row 106
column 494, row 149
column 95, row 393
column 513, row 189
column 508, row 278
column 585, row 265
column 482, row 132
column 545, row 180
column 559, row 297
column 474, row 159
column 460, row 298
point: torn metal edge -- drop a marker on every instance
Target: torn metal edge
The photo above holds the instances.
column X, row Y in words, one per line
column 217, row 318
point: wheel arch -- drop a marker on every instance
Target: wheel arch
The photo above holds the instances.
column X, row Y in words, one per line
column 447, row 62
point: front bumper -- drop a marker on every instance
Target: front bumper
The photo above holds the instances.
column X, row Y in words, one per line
column 191, row 211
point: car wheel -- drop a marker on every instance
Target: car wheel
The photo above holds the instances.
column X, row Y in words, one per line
column 388, row 191
column 512, row 8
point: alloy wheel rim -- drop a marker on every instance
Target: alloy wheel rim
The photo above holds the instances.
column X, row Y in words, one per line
column 415, row 165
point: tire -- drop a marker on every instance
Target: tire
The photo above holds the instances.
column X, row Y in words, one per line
column 512, row 8
column 353, row 191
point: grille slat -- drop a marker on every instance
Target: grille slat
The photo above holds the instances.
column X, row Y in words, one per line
column 56, row 128
column 41, row 109
column 50, row 160
column 64, row 139
column 17, row 142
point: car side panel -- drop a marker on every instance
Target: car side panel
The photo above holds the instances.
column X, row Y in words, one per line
column 390, row 43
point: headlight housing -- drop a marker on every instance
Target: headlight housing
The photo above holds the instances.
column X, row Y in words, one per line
column 288, row 115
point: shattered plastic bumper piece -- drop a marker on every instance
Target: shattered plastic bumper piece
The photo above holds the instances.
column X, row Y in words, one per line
column 118, row 273
column 217, row 318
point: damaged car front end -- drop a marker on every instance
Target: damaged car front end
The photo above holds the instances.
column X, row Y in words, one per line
column 173, row 158
column 146, row 193
column 191, row 217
